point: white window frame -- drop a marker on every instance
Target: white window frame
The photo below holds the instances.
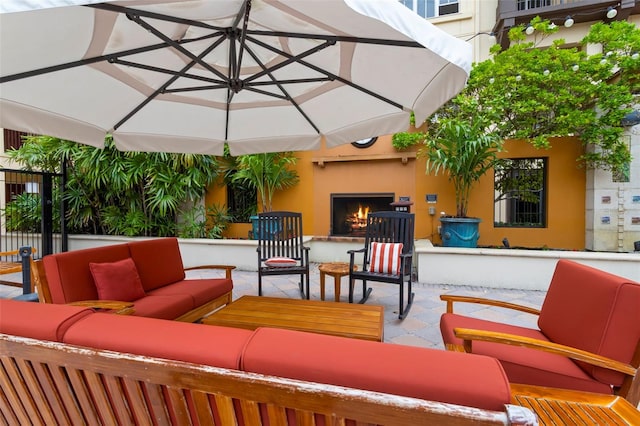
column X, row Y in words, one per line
column 413, row 5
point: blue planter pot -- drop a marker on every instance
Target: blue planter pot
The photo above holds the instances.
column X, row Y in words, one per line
column 271, row 229
column 459, row 231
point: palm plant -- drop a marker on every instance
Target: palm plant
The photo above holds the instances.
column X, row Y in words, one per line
column 267, row 173
column 465, row 149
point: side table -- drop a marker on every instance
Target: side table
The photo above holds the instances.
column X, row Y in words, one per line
column 337, row 270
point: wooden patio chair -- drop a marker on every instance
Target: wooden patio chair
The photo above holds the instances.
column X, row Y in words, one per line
column 281, row 250
column 387, row 256
column 588, row 336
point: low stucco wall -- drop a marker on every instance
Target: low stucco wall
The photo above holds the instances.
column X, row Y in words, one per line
column 511, row 268
column 498, row 268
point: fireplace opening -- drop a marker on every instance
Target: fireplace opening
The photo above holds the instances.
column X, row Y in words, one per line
column 349, row 211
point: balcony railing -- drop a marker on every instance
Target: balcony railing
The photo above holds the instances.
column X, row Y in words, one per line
column 511, row 13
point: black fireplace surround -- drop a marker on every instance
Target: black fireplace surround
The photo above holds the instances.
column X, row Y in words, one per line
column 348, row 211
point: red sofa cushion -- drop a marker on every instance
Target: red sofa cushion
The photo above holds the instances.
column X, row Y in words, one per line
column 68, row 273
column 430, row 374
column 196, row 343
column 117, row 280
column 200, row 290
column 164, row 307
column 523, row 365
column 158, row 261
column 39, row 320
column 593, row 310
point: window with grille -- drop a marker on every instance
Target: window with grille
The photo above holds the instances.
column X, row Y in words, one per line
column 241, row 201
column 520, row 193
column 432, row 8
column 532, row 4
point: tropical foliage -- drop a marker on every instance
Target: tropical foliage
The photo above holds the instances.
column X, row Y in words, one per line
column 465, row 150
column 267, row 173
column 122, row 193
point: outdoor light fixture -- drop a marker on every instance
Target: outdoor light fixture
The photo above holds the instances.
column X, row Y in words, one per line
column 546, row 72
column 611, row 12
column 569, row 22
column 635, row 56
column 529, row 30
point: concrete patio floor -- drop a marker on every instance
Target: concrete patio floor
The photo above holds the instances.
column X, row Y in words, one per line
column 420, row 328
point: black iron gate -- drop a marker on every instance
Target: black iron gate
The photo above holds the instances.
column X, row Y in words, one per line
column 32, row 214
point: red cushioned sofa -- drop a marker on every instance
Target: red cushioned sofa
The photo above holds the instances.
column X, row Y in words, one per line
column 143, row 278
column 116, row 368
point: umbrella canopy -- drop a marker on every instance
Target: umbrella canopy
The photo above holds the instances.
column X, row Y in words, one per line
column 189, row 76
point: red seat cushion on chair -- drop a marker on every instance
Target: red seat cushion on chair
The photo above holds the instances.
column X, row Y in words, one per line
column 430, row 374
column 117, row 280
column 523, row 365
column 595, row 311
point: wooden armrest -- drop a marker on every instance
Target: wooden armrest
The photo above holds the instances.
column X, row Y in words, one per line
column 468, row 335
column 123, row 308
column 227, row 268
column 500, row 304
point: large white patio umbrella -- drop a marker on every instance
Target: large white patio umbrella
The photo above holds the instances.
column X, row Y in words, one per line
column 188, row 76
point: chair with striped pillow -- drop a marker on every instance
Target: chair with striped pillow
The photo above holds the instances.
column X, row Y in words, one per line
column 387, row 256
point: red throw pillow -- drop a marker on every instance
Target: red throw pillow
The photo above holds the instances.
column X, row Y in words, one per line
column 280, row 262
column 385, row 258
column 117, row 280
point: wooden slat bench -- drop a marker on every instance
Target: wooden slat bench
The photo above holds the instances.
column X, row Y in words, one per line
column 45, row 383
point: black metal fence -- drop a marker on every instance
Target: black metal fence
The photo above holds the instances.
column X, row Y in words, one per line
column 31, row 212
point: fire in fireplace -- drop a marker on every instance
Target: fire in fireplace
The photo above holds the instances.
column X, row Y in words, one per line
column 349, row 211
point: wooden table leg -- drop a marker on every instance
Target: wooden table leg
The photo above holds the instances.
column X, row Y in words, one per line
column 336, row 283
column 322, row 277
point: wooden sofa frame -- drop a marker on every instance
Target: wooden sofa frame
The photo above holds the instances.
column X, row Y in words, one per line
column 54, row 383
column 40, row 283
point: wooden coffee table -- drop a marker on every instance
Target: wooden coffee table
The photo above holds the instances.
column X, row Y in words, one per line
column 339, row 319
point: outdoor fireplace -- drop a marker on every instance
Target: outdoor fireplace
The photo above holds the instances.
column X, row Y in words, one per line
column 349, row 211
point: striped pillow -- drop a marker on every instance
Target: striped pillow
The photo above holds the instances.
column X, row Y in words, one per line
column 385, row 258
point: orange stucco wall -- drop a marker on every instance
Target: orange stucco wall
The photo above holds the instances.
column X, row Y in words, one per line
column 380, row 168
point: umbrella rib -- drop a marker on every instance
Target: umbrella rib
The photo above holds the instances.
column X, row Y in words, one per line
column 289, row 61
column 284, row 91
column 177, row 45
column 166, row 71
column 162, row 88
column 138, row 12
column 246, row 9
column 347, row 39
column 81, row 62
column 327, row 73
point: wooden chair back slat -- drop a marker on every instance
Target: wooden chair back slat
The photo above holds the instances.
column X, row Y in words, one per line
column 157, row 405
column 17, row 396
column 137, row 401
column 389, row 227
column 71, row 409
column 280, row 235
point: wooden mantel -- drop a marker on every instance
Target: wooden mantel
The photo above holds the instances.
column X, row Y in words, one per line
column 404, row 157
